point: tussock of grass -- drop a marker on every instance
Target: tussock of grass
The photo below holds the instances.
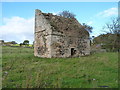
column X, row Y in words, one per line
column 22, row 70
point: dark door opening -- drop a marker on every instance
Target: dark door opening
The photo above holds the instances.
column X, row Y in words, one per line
column 73, row 51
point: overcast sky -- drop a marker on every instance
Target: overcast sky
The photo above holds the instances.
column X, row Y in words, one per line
column 18, row 17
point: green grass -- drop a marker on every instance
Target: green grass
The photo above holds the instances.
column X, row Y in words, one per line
column 15, row 45
column 22, row 70
column 30, row 45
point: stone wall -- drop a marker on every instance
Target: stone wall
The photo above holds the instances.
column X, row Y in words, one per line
column 56, row 36
column 42, row 44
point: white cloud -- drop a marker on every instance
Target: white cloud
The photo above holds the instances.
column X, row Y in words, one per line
column 17, row 29
column 90, row 22
column 109, row 12
column 55, row 13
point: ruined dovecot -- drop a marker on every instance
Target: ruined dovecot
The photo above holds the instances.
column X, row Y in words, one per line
column 57, row 36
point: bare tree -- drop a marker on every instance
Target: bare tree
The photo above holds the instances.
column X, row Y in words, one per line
column 67, row 14
column 113, row 27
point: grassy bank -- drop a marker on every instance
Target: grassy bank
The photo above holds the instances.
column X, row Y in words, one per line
column 22, row 70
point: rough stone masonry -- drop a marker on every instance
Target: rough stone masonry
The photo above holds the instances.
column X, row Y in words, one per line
column 57, row 36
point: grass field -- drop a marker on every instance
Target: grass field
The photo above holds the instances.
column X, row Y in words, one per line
column 22, row 70
column 30, row 45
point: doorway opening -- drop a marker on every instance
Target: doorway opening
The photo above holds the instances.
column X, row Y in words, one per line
column 73, row 51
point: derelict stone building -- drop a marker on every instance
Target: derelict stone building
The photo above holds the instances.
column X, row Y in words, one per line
column 57, row 36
